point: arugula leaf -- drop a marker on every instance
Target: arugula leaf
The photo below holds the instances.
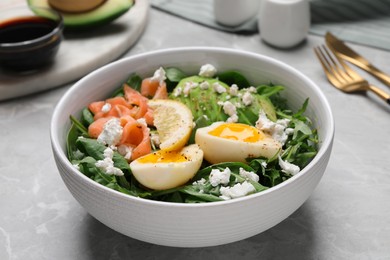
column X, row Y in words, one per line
column 190, row 190
column 269, row 90
column 80, row 127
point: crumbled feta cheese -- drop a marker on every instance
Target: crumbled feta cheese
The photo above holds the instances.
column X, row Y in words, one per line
column 232, row 119
column 207, row 71
column 107, row 164
column 204, row 85
column 76, row 166
column 155, row 139
column 112, row 132
column 159, row 75
column 219, row 177
column 249, row 175
column 228, row 108
column 237, row 105
column 289, row 131
column 200, row 182
column 219, row 88
column 237, row 191
column 288, row 167
column 233, row 90
column 247, row 98
column 177, row 92
column 264, row 164
column 108, row 153
column 188, row 86
column 276, row 129
column 125, row 151
column 106, row 108
column 252, row 89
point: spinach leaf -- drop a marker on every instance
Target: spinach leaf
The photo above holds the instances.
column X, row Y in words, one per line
column 174, row 75
column 86, row 117
column 72, row 136
column 234, row 77
column 134, row 81
column 96, row 149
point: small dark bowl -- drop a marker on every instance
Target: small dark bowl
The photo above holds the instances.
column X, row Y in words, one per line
column 29, row 37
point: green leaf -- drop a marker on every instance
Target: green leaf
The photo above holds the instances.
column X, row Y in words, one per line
column 269, row 90
column 79, row 126
column 134, row 81
column 174, row 74
column 86, row 117
column 190, row 190
column 91, row 147
column 72, row 136
column 234, row 77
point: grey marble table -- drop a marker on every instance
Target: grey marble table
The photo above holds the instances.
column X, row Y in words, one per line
column 347, row 216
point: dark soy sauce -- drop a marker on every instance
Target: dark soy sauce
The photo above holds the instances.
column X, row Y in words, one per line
column 23, row 45
column 25, row 29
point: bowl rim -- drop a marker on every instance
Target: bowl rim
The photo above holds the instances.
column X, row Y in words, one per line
column 9, row 46
column 326, row 143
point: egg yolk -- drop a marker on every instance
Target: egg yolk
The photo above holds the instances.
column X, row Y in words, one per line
column 238, row 132
column 164, row 157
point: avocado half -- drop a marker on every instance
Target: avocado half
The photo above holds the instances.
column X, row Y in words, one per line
column 103, row 14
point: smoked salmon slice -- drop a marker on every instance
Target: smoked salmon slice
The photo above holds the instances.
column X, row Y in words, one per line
column 132, row 106
column 139, row 103
column 136, row 136
column 95, row 129
column 154, row 89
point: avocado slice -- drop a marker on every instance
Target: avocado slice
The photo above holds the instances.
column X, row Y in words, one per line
column 103, row 14
column 204, row 102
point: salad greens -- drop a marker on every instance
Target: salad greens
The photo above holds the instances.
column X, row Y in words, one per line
column 299, row 148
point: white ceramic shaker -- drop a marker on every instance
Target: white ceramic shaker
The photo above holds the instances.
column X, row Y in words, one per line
column 284, row 23
column 235, row 12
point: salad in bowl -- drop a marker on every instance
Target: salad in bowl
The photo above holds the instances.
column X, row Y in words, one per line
column 191, row 138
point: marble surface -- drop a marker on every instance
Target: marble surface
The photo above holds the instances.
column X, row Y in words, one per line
column 79, row 54
column 347, row 216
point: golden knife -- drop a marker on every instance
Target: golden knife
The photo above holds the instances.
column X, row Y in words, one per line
column 346, row 53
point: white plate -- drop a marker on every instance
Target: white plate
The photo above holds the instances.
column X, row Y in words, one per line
column 79, row 54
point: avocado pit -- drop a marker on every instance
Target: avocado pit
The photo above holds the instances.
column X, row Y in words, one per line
column 75, row 6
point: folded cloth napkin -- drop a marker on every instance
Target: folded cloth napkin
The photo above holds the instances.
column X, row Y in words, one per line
column 359, row 21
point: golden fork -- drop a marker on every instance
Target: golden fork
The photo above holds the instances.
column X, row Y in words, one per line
column 343, row 77
column 344, row 52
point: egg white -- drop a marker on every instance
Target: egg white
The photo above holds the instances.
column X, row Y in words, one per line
column 218, row 149
column 167, row 175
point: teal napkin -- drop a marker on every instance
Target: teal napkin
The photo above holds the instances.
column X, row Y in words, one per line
column 365, row 22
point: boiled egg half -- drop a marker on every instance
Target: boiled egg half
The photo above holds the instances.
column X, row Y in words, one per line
column 163, row 170
column 234, row 142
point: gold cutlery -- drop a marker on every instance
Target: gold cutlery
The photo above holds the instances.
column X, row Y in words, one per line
column 343, row 51
column 343, row 77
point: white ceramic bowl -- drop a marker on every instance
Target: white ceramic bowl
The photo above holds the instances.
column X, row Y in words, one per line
column 193, row 225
